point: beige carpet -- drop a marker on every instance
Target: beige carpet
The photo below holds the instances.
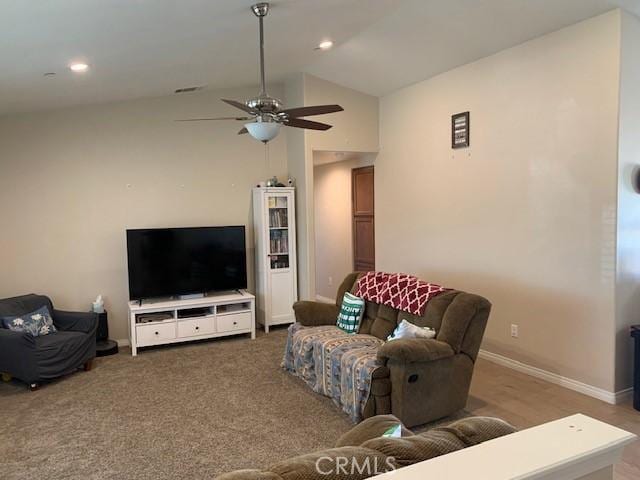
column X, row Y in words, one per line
column 190, row 411
column 180, row 412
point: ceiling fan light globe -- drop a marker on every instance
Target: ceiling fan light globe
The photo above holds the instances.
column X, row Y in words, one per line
column 263, row 131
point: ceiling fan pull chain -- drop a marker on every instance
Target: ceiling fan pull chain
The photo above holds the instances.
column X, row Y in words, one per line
column 266, row 158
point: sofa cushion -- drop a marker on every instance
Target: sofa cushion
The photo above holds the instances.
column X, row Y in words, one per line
column 37, row 323
column 370, row 428
column 370, row 313
column 385, row 322
column 25, row 303
column 406, row 329
column 354, row 463
column 434, row 312
column 440, row 440
column 381, row 320
column 475, row 430
column 408, row 350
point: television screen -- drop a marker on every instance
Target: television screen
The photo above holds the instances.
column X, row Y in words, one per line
column 181, row 261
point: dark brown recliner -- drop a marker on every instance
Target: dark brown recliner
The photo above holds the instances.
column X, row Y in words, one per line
column 422, row 379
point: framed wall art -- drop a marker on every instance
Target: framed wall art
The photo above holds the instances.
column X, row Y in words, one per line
column 460, row 129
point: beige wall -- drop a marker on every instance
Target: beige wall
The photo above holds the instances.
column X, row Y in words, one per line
column 72, row 181
column 527, row 215
column 354, row 130
column 628, row 232
column 333, row 222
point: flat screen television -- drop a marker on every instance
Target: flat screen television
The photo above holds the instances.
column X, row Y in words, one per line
column 182, row 261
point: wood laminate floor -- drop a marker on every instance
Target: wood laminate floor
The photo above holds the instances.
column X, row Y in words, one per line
column 525, row 401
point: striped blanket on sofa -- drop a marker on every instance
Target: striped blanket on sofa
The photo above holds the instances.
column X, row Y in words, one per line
column 334, row 363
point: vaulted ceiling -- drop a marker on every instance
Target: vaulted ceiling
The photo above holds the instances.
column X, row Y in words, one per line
column 139, row 48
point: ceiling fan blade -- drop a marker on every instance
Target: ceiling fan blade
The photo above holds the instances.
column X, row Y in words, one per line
column 313, row 110
column 239, row 105
column 243, row 130
column 207, row 119
column 300, row 123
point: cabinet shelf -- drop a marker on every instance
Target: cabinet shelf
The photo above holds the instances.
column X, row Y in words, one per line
column 157, row 322
column 222, row 314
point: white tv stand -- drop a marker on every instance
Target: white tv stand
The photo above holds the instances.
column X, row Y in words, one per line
column 216, row 315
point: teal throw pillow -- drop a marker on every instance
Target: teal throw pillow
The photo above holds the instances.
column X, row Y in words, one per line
column 351, row 313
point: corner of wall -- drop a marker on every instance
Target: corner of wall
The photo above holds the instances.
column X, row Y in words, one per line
column 627, row 285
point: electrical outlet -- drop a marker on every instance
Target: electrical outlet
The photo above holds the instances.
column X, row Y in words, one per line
column 331, row 281
column 514, row 330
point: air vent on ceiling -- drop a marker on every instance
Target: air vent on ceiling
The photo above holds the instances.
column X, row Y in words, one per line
column 189, row 89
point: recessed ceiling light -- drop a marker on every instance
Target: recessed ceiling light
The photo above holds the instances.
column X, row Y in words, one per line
column 326, row 45
column 79, row 67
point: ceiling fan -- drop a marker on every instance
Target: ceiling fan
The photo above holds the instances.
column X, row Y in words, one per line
column 265, row 113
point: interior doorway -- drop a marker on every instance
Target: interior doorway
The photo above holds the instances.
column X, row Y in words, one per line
column 344, row 218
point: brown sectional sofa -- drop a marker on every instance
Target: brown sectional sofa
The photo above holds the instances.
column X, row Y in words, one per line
column 422, row 379
column 363, row 452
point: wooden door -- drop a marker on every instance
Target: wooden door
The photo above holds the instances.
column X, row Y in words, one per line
column 364, row 252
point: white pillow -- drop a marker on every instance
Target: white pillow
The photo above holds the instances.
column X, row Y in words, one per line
column 409, row 330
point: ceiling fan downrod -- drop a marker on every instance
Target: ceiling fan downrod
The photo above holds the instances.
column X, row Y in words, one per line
column 260, row 10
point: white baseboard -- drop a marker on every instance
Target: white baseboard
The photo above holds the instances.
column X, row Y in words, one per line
column 322, row 299
column 123, row 342
column 623, row 396
column 584, row 388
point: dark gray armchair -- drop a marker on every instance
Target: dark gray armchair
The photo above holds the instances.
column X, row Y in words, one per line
column 37, row 359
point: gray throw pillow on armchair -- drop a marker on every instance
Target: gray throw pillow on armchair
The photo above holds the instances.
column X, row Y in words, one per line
column 38, row 322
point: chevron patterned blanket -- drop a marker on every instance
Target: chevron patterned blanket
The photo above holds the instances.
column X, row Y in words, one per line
column 334, row 363
column 397, row 290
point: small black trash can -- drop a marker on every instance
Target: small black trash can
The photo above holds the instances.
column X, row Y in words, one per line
column 104, row 346
column 635, row 334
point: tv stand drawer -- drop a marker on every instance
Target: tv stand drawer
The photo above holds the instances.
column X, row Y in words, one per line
column 155, row 334
column 232, row 322
column 196, row 326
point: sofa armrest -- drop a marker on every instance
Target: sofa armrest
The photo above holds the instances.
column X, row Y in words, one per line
column 408, row 350
column 16, row 357
column 314, row 314
column 86, row 322
column 10, row 339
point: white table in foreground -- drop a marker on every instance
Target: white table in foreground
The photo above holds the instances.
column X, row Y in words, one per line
column 575, row 447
